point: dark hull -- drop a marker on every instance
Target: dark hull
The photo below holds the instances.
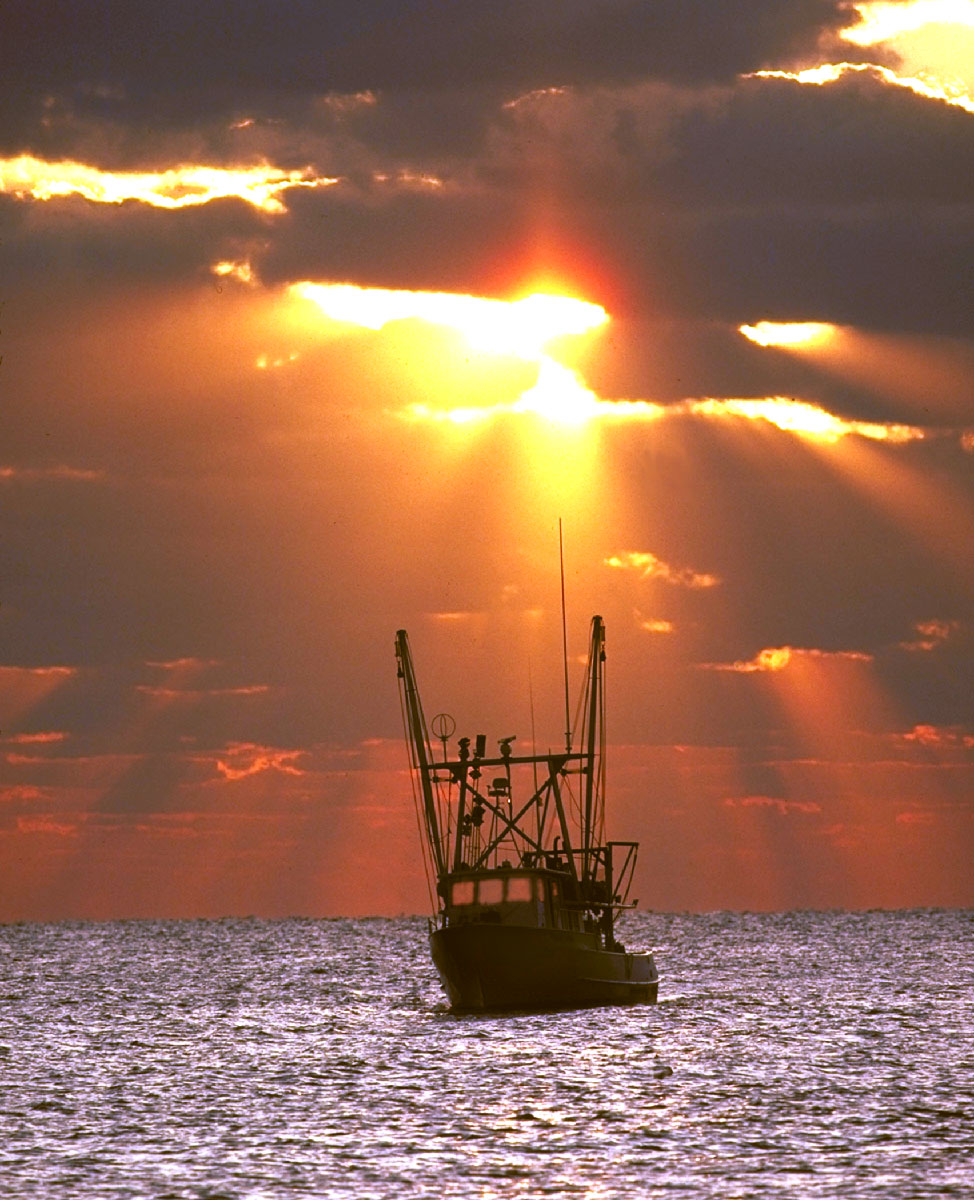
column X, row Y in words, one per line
column 489, row 967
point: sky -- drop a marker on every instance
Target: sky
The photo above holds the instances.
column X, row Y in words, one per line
column 317, row 318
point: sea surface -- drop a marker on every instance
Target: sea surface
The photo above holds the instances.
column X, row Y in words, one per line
column 800, row 1054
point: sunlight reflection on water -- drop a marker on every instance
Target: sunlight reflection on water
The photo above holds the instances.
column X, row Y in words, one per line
column 825, row 1054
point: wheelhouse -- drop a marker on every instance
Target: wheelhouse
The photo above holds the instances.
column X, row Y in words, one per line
column 509, row 896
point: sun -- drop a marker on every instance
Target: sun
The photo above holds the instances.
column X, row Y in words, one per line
column 521, row 328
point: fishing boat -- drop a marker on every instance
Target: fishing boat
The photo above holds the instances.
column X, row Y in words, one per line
column 526, row 888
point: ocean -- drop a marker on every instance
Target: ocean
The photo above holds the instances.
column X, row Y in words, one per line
column 812, row 1054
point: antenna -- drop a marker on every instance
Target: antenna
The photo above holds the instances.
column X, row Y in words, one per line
column 564, row 641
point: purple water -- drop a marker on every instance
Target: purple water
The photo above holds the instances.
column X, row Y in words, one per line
column 796, row 1054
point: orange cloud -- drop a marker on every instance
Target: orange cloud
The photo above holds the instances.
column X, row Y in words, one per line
column 914, row 817
column 248, row 758
column 46, row 824
column 776, row 802
column 183, row 664
column 932, row 634
column 22, row 793
column 651, row 567
column 32, row 739
column 653, row 624
column 777, row 658
column 254, row 689
column 940, row 736
column 240, row 270
column 61, row 471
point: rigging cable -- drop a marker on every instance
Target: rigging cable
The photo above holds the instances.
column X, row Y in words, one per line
column 423, row 833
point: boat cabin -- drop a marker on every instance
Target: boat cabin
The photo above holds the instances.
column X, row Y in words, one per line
column 509, row 896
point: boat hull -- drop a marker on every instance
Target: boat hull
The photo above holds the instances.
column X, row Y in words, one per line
column 491, row 967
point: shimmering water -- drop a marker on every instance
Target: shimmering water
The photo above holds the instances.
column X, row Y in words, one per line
column 800, row 1054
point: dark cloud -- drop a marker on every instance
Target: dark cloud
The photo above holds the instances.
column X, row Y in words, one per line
column 180, row 63
column 896, row 266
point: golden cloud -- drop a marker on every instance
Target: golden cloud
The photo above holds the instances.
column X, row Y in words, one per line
column 653, row 624
column 26, row 177
column 831, row 72
column 777, row 658
column 651, row 567
column 781, row 333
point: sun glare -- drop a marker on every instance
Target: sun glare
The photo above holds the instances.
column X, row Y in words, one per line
column 559, row 395
column 523, row 328
column 882, row 20
column 517, row 327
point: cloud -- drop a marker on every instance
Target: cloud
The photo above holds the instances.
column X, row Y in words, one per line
column 671, row 199
column 778, row 658
column 776, row 802
column 35, row 739
column 798, row 416
column 70, row 63
column 47, row 825
column 831, row 72
column 56, row 473
column 648, row 566
column 173, row 188
column 653, row 624
column 244, row 759
column 197, row 694
column 22, row 793
column 913, row 817
column 189, row 664
column 932, row 634
column 951, row 737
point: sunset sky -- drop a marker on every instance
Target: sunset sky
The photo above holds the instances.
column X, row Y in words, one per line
column 317, row 317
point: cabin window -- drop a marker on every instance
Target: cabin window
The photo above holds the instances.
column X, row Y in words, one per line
column 462, row 892
column 520, row 888
column 489, row 891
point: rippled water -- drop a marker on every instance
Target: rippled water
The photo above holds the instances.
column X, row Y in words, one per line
column 799, row 1054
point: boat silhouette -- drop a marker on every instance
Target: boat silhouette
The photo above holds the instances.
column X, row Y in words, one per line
column 527, row 889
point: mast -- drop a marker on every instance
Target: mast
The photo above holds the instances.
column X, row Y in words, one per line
column 591, row 741
column 564, row 641
column 420, row 749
